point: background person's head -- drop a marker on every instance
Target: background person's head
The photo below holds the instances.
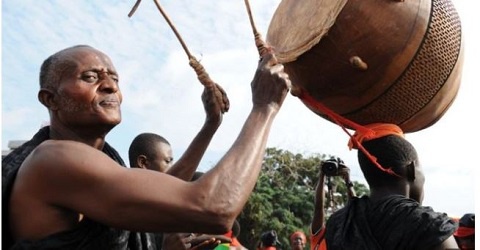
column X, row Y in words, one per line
column 269, row 239
column 465, row 234
column 150, row 151
column 298, row 240
column 396, row 153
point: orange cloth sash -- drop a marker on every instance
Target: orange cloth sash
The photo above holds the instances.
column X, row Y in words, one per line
column 363, row 133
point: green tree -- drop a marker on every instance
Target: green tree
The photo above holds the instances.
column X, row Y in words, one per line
column 283, row 196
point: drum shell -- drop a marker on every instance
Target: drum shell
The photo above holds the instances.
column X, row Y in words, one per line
column 414, row 53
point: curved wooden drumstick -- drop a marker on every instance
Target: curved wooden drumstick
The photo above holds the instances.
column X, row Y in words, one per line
column 130, row 14
column 202, row 75
column 262, row 46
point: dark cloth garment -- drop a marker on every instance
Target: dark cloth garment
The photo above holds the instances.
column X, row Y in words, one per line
column 395, row 222
column 88, row 234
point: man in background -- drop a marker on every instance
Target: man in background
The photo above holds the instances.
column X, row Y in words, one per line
column 465, row 234
column 392, row 171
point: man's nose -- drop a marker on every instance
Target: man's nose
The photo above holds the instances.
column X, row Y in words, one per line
column 108, row 84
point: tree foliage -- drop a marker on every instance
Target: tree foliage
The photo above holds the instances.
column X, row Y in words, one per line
column 283, row 198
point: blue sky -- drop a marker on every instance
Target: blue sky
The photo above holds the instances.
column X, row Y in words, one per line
column 162, row 95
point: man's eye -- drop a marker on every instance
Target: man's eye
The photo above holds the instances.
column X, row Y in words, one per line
column 114, row 78
column 90, row 77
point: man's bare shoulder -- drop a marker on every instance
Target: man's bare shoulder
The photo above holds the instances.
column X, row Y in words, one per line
column 64, row 158
column 64, row 172
column 53, row 181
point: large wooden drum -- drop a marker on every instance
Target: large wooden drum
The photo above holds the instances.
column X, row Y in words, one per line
column 372, row 61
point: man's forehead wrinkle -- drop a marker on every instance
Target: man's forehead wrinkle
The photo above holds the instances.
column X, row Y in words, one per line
column 86, row 59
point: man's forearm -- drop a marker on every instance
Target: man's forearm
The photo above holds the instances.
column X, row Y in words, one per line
column 242, row 163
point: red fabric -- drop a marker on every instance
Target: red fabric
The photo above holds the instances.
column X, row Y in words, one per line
column 235, row 242
column 464, row 232
column 229, row 234
column 375, row 130
column 317, row 241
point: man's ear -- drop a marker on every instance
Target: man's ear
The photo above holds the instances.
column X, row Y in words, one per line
column 47, row 98
column 142, row 161
column 411, row 171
